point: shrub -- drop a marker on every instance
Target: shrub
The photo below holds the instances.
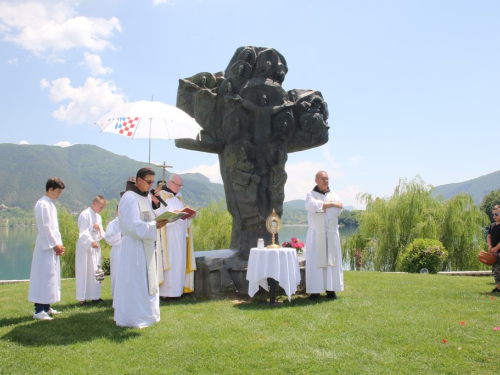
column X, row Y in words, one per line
column 68, row 226
column 212, row 227
column 424, row 253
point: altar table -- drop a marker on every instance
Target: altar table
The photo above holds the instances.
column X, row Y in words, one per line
column 279, row 264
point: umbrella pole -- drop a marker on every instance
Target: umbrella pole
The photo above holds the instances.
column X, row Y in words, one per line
column 149, row 161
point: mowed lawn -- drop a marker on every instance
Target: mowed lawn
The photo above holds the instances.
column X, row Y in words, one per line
column 383, row 323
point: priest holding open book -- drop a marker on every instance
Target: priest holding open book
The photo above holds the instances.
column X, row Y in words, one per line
column 175, row 244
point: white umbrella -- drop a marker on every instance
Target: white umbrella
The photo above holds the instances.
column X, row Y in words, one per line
column 165, row 122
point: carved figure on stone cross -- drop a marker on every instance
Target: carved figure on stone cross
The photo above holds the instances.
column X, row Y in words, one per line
column 252, row 123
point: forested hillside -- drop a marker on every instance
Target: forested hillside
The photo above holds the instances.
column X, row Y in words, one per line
column 86, row 171
column 477, row 187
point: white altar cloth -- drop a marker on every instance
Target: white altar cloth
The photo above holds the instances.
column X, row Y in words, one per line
column 280, row 264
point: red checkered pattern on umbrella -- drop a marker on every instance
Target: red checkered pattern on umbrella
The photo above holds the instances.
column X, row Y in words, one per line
column 126, row 125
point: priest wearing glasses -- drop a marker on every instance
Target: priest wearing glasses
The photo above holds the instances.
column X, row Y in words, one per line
column 175, row 245
column 136, row 299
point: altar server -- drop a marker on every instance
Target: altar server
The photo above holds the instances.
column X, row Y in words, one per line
column 88, row 252
column 113, row 237
column 45, row 277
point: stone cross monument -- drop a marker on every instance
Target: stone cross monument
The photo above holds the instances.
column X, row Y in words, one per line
column 252, row 123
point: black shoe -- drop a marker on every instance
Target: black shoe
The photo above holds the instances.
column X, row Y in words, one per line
column 83, row 303
column 98, row 300
column 330, row 294
column 496, row 290
column 170, row 299
column 314, row 296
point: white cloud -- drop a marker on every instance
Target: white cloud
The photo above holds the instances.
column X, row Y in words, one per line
column 210, row 171
column 348, row 197
column 12, row 61
column 42, row 26
column 44, row 84
column 62, row 144
column 94, row 64
column 86, row 103
column 301, row 175
column 23, row 143
column 300, row 179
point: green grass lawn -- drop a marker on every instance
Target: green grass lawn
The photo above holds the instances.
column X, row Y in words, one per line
column 382, row 324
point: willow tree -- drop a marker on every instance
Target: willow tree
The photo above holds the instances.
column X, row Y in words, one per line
column 68, row 227
column 212, row 227
column 461, row 231
column 391, row 224
column 489, row 200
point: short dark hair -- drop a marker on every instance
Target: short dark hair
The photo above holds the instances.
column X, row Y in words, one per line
column 143, row 172
column 54, row 183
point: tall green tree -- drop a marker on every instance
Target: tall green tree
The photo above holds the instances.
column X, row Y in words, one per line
column 490, row 200
column 68, row 226
column 212, row 227
column 460, row 229
column 389, row 225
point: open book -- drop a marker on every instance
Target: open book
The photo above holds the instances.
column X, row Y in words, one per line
column 171, row 216
column 189, row 211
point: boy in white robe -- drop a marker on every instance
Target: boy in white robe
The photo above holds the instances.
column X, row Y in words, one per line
column 88, row 252
column 45, row 277
column 323, row 252
column 113, row 237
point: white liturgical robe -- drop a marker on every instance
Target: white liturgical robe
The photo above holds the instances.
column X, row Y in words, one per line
column 88, row 258
column 323, row 257
column 175, row 250
column 133, row 303
column 45, row 277
column 113, row 237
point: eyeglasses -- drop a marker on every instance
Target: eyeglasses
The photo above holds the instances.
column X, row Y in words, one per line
column 495, row 213
column 176, row 184
column 149, row 182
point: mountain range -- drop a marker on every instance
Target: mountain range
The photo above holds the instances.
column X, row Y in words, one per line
column 89, row 170
column 86, row 170
column 477, row 187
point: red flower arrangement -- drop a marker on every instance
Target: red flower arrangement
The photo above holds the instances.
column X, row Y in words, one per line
column 295, row 243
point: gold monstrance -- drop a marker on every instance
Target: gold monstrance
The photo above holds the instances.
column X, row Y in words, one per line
column 273, row 226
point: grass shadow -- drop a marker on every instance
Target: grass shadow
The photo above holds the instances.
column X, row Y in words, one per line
column 76, row 327
column 298, row 301
column 13, row 321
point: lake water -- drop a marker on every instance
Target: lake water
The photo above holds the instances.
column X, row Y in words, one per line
column 16, row 246
column 300, row 232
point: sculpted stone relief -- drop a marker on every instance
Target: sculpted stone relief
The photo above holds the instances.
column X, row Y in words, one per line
column 252, row 123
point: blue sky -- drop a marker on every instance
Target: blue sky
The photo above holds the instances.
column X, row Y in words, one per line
column 413, row 87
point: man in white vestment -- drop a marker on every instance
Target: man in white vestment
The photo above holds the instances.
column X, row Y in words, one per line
column 113, row 237
column 323, row 252
column 136, row 301
column 88, row 252
column 45, row 277
column 175, row 245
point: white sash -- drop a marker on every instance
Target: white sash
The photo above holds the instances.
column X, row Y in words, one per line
column 96, row 253
column 325, row 250
column 149, row 245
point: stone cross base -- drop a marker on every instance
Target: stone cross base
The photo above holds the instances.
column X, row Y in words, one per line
column 221, row 274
